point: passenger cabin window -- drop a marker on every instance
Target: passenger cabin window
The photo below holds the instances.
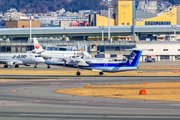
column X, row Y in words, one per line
column 124, row 59
column 165, row 49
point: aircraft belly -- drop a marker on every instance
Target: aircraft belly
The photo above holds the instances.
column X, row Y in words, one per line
column 127, row 68
column 90, row 68
column 118, row 69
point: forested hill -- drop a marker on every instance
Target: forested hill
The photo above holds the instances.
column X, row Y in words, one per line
column 41, row 6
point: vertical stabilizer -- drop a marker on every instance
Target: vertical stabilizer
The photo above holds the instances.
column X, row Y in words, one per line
column 133, row 59
column 37, row 47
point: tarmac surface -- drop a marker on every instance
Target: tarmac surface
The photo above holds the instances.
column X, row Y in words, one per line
column 141, row 64
column 36, row 100
column 31, row 100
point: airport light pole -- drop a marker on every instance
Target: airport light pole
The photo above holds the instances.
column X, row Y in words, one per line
column 108, row 4
column 30, row 28
column 174, row 27
column 102, row 27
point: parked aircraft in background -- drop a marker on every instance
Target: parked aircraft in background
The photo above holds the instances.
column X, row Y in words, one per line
column 58, row 54
column 16, row 59
column 100, row 64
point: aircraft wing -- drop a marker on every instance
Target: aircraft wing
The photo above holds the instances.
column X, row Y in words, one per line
column 76, row 61
column 10, row 61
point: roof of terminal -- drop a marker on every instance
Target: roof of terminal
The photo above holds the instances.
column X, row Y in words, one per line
column 144, row 15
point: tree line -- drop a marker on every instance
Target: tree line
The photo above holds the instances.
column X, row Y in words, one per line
column 43, row 6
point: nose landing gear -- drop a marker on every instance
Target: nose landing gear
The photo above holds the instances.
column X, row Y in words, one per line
column 48, row 67
column 16, row 66
column 35, row 65
column 5, row 66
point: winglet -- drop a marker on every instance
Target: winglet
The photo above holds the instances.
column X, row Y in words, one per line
column 37, row 48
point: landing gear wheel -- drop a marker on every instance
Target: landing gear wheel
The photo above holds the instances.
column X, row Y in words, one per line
column 78, row 73
column 35, row 66
column 48, row 66
column 100, row 73
column 5, row 66
column 16, row 66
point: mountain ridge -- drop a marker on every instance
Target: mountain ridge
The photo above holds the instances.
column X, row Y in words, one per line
column 43, row 6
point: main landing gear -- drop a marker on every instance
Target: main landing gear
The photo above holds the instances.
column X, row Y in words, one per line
column 35, row 65
column 78, row 73
column 48, row 67
column 100, row 73
column 16, row 66
column 5, row 66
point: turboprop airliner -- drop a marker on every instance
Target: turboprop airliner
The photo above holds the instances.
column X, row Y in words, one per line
column 58, row 54
column 16, row 59
column 100, row 64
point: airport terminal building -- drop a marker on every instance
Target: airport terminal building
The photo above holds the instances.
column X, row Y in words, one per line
column 162, row 50
column 125, row 13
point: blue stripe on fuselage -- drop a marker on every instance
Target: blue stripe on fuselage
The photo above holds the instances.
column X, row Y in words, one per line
column 106, row 64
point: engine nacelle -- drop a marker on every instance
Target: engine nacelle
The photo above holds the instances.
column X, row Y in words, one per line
column 10, row 63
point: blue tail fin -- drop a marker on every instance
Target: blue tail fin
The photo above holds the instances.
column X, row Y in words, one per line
column 133, row 59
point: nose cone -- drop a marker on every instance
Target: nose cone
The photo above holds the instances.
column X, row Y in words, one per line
column 45, row 55
column 41, row 60
column 47, row 61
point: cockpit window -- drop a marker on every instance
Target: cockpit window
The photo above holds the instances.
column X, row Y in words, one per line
column 37, row 55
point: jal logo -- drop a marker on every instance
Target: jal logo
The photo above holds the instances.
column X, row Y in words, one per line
column 133, row 55
column 37, row 46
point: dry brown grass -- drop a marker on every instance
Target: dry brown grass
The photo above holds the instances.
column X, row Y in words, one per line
column 168, row 91
column 160, row 67
column 73, row 72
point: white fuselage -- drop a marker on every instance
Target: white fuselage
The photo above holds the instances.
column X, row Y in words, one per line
column 95, row 64
column 21, row 58
column 65, row 54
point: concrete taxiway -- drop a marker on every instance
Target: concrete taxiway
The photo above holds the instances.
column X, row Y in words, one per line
column 31, row 100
